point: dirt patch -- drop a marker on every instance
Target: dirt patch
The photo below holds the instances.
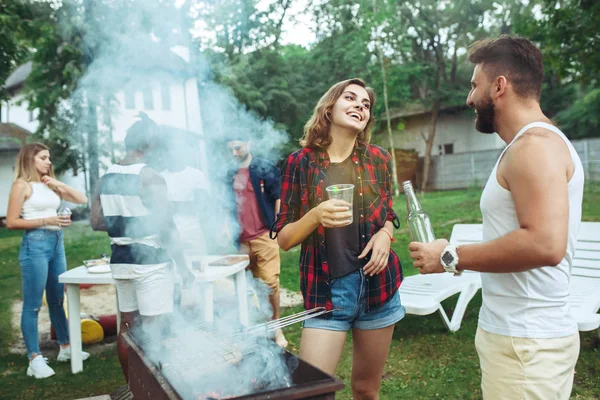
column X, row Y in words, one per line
column 101, row 300
column 96, row 300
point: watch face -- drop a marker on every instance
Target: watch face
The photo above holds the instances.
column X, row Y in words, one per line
column 447, row 258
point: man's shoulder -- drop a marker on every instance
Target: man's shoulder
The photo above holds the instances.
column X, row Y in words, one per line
column 262, row 162
column 149, row 176
column 540, row 138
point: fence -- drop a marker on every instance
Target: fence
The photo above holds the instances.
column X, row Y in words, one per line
column 459, row 171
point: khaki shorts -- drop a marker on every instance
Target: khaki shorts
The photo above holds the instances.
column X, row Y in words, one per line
column 521, row 368
column 151, row 294
column 264, row 259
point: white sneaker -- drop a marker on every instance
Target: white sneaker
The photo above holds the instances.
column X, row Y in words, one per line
column 65, row 355
column 280, row 339
column 39, row 368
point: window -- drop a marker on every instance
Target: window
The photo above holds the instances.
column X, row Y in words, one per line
column 148, row 100
column 30, row 115
column 165, row 95
column 449, row 148
column 129, row 99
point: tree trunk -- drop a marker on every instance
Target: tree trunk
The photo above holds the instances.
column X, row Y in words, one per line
column 92, row 143
column 389, row 129
column 396, row 187
column 435, row 111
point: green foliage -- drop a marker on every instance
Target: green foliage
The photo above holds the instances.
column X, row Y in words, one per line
column 418, row 45
column 582, row 118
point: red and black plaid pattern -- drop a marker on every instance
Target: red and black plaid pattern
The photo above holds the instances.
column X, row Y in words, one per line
column 303, row 187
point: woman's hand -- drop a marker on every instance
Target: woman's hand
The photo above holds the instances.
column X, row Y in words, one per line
column 61, row 221
column 53, row 184
column 380, row 244
column 334, row 213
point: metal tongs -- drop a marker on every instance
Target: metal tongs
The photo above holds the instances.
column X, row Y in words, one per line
column 279, row 323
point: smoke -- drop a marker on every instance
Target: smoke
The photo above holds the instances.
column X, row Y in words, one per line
column 141, row 57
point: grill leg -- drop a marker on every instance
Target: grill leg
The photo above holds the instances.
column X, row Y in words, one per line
column 242, row 296
column 207, row 297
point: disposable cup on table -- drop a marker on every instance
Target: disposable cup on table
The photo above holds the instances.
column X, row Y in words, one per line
column 343, row 192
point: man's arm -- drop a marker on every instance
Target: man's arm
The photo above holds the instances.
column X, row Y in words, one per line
column 536, row 170
column 96, row 215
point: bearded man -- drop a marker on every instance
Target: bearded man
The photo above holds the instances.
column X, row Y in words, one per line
column 526, row 339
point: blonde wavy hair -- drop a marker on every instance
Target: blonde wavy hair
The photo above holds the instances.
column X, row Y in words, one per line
column 316, row 130
column 25, row 166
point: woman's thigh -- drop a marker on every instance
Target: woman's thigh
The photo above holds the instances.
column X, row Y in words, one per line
column 371, row 349
column 322, row 348
column 56, row 266
column 34, row 256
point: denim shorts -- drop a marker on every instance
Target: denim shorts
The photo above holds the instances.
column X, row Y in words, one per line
column 349, row 293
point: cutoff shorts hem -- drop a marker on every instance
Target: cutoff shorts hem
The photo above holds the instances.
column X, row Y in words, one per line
column 348, row 293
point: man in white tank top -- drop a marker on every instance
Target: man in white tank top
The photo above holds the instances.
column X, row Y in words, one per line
column 527, row 342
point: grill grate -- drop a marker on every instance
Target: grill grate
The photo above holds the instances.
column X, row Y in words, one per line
column 191, row 354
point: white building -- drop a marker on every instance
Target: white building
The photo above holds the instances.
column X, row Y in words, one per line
column 455, row 131
column 172, row 101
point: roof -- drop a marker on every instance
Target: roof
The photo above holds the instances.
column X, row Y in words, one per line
column 12, row 136
column 413, row 109
column 18, row 76
column 147, row 57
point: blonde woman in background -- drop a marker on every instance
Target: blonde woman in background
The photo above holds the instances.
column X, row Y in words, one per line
column 34, row 198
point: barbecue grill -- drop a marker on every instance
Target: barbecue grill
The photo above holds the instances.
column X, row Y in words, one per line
column 197, row 363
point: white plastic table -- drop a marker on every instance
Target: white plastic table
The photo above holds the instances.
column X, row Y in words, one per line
column 215, row 273
column 80, row 275
column 73, row 278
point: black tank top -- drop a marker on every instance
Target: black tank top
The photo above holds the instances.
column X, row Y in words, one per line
column 343, row 244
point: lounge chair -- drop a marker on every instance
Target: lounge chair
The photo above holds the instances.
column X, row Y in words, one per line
column 585, row 278
column 423, row 294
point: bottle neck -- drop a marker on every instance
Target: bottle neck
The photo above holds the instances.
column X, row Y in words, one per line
column 412, row 203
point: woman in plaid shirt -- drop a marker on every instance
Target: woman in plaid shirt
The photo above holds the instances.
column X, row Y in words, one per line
column 346, row 266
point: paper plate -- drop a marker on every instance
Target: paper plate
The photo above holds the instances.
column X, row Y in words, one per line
column 99, row 269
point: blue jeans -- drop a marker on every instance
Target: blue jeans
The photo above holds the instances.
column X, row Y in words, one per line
column 349, row 295
column 42, row 260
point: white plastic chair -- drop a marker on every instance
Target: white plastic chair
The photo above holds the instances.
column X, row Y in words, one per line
column 585, row 278
column 423, row 294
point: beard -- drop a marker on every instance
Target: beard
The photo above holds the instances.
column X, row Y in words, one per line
column 241, row 159
column 484, row 122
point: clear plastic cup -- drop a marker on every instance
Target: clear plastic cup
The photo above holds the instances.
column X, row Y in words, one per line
column 64, row 212
column 343, row 192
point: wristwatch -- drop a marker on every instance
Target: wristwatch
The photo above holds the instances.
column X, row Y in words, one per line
column 449, row 259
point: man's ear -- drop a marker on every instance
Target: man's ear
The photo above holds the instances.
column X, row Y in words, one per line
column 499, row 87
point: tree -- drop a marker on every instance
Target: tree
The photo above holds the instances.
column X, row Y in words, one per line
column 436, row 31
column 15, row 20
column 378, row 49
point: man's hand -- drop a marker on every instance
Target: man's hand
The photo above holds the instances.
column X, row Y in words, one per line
column 380, row 244
column 426, row 256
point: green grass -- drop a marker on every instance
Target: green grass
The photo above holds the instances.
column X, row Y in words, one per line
column 425, row 361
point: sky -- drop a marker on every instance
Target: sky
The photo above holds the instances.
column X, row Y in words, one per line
column 296, row 25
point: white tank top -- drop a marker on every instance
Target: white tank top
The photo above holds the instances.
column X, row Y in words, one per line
column 42, row 203
column 534, row 303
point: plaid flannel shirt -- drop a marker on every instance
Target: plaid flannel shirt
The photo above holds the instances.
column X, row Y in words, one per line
column 303, row 188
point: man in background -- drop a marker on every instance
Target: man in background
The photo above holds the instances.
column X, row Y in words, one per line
column 256, row 187
column 132, row 206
